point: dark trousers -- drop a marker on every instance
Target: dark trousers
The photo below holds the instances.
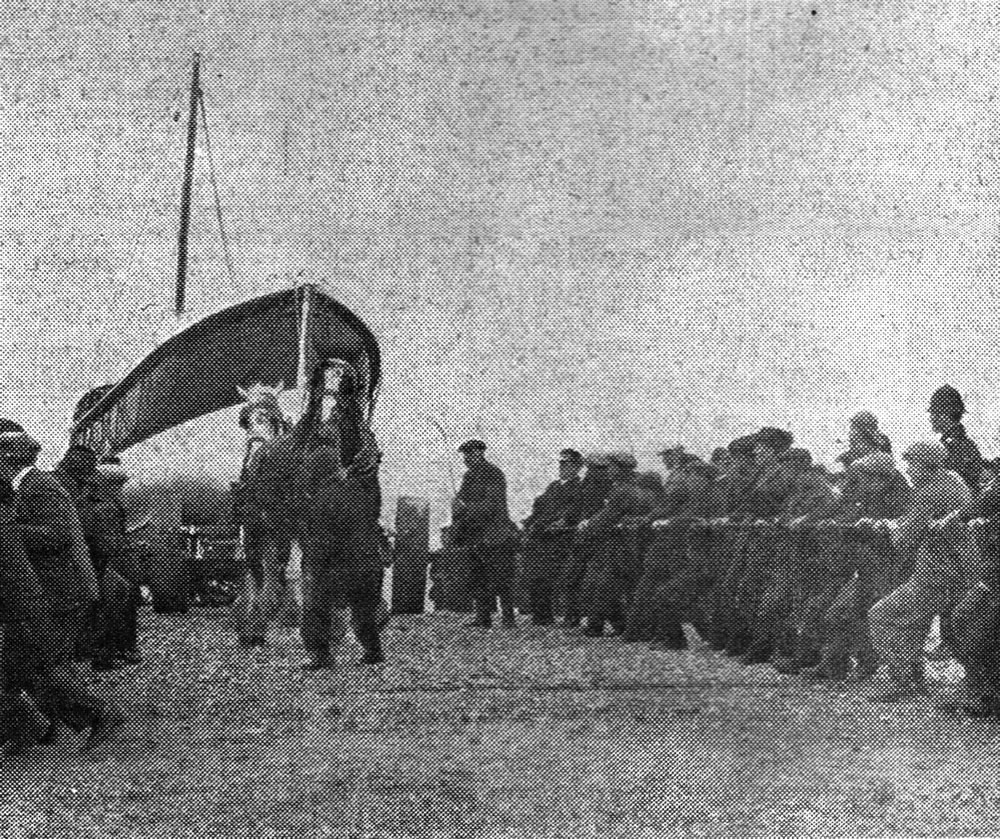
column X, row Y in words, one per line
column 543, row 566
column 38, row 658
column 491, row 577
column 117, row 618
column 572, row 579
column 326, row 592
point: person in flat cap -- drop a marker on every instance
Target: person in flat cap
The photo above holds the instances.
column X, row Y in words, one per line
column 946, row 410
column 482, row 529
column 613, row 568
column 591, row 497
column 943, row 569
column 753, row 558
column 671, row 584
column 864, row 437
column 55, row 546
column 97, row 492
column 549, row 536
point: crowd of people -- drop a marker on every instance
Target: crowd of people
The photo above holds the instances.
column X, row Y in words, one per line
column 768, row 556
column 68, row 592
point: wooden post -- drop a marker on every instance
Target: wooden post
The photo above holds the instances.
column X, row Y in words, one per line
column 410, row 554
column 182, row 234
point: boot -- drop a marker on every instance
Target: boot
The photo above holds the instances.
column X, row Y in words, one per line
column 758, row 652
column 103, row 729
column 594, row 628
column 373, row 652
column 320, row 659
column 834, row 663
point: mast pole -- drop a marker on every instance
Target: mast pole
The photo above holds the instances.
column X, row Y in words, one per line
column 182, row 234
column 300, row 375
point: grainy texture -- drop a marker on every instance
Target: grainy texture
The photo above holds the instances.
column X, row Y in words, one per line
column 501, row 734
column 594, row 223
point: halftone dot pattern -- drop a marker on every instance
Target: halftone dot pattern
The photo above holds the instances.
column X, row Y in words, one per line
column 615, row 226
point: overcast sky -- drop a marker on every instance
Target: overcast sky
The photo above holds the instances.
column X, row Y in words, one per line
column 601, row 224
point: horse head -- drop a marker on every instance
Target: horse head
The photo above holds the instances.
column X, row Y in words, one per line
column 262, row 400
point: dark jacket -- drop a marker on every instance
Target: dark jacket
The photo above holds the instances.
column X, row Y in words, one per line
column 873, row 495
column 592, row 496
column 812, row 497
column 687, row 491
column 334, row 529
column 558, row 502
column 20, row 592
column 963, row 457
column 480, row 514
column 774, row 486
column 626, row 501
column 54, row 541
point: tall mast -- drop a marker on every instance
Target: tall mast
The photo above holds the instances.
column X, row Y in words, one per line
column 301, row 373
column 182, row 235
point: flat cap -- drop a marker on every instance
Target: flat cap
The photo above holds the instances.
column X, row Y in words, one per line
column 625, row 460
column 930, row 454
column 774, row 438
column 865, row 419
column 570, row 456
column 743, row 445
column 18, row 443
column 472, row 446
column 598, row 459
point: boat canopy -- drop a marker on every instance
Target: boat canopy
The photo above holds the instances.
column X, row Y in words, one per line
column 200, row 370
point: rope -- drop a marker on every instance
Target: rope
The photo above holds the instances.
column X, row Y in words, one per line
column 215, row 191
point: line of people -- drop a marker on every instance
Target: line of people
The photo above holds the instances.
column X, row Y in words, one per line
column 768, row 556
column 66, row 593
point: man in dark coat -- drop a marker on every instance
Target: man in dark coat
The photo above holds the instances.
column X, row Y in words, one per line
column 946, row 411
column 593, row 494
column 763, row 506
column 613, row 570
column 103, row 518
column 57, row 551
column 341, row 563
column 670, row 586
column 549, row 530
column 483, row 530
column 21, row 602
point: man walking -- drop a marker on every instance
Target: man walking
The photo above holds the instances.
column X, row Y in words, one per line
column 53, row 540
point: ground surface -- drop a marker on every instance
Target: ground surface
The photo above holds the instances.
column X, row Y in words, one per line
column 511, row 733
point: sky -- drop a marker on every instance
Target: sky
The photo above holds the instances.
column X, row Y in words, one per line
column 600, row 224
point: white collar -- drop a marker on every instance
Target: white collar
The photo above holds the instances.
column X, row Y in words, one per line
column 19, row 477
